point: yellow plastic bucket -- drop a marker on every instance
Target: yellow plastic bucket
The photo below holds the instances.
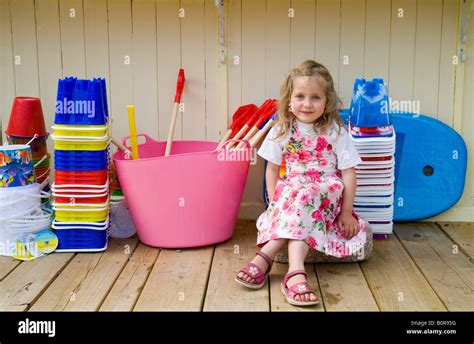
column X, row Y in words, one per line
column 81, row 215
column 81, row 131
column 81, row 145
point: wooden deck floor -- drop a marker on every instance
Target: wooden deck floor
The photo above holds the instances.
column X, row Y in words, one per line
column 423, row 266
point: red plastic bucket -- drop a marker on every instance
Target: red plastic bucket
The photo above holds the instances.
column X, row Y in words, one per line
column 26, row 118
column 80, row 177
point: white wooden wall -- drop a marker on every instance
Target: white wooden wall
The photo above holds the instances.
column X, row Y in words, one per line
column 139, row 45
column 409, row 43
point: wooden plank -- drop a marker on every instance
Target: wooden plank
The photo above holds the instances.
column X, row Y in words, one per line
column 449, row 37
column 462, row 233
column 168, row 32
column 121, row 65
column 253, row 80
column 72, row 38
column 344, row 288
column 396, row 282
column 85, row 282
column 26, row 283
column 49, row 58
column 303, row 31
column 278, row 302
column 178, row 281
column 212, row 112
column 145, row 72
column 351, row 58
column 126, row 290
column 223, row 293
column 234, row 57
column 7, row 69
column 24, row 48
column 449, row 272
column 377, row 39
column 402, row 49
column 253, row 60
column 277, row 46
column 328, row 29
column 96, row 33
column 427, row 55
column 193, row 61
column 7, row 265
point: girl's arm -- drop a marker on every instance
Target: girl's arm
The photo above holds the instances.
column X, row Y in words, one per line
column 345, row 218
column 348, row 194
column 271, row 176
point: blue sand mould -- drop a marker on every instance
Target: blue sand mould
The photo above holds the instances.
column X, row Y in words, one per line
column 87, row 93
column 370, row 104
column 430, row 166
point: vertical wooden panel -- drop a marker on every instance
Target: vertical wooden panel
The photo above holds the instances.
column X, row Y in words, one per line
column 427, row 55
column 278, row 46
column 96, row 36
column 145, row 69
column 121, row 65
column 234, row 56
column 72, row 38
column 213, row 117
column 25, row 48
column 169, row 61
column 253, row 78
column 193, row 61
column 7, row 75
column 467, row 120
column 303, row 33
column 402, row 49
column 328, row 36
column 446, row 63
column 351, row 57
column 49, row 57
column 377, row 39
column 253, row 56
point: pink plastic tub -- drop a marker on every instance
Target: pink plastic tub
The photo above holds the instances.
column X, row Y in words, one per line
column 190, row 198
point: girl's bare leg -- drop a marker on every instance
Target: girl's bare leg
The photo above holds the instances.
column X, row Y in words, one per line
column 271, row 248
column 297, row 252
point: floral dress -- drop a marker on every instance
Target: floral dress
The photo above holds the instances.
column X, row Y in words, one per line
column 308, row 199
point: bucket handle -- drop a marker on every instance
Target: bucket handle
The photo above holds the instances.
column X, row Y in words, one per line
column 246, row 143
column 148, row 139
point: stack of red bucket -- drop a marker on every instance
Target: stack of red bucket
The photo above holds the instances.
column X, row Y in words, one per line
column 26, row 126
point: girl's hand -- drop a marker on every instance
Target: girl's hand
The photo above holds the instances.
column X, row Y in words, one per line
column 350, row 225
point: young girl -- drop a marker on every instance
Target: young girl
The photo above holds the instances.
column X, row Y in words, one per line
column 312, row 206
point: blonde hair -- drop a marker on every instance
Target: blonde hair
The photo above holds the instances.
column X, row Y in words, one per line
column 333, row 103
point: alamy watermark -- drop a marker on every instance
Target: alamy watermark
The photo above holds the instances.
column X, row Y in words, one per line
column 229, row 155
column 70, row 107
column 400, row 106
column 339, row 249
column 37, row 327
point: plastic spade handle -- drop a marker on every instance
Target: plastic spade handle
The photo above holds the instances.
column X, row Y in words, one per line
column 179, row 86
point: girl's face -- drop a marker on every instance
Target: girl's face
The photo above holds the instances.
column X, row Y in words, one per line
column 308, row 99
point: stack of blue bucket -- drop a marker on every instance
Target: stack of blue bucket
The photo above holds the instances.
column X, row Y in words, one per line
column 374, row 138
column 81, row 188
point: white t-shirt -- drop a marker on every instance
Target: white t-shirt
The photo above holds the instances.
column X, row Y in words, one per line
column 347, row 156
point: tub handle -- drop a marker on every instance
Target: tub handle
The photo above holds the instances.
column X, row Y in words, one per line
column 148, row 139
column 246, row 143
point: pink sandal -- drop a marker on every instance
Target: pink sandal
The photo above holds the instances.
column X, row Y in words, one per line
column 255, row 272
column 300, row 288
